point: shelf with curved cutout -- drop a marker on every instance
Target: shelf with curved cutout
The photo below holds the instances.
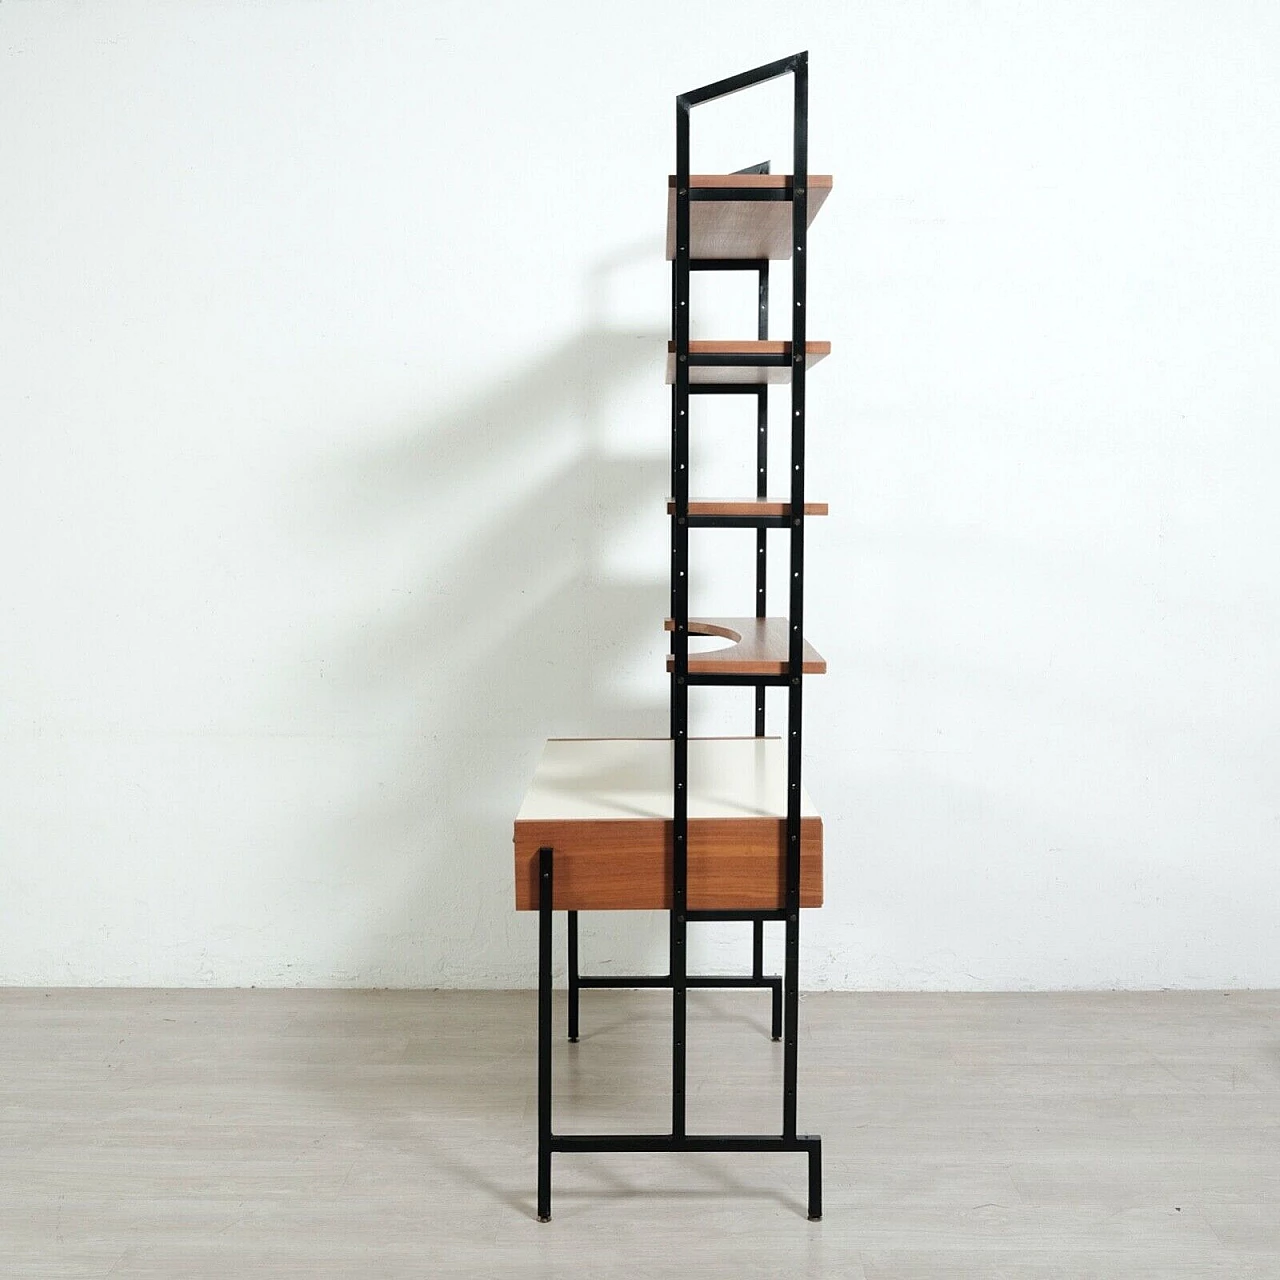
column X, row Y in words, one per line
column 759, row 648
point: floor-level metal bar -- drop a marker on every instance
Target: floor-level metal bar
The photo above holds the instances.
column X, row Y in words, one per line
column 811, row 1144
column 688, row 1142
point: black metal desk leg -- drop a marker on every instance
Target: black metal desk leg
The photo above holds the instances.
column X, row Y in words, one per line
column 544, row 1034
column 815, row 1181
column 774, row 984
column 573, row 976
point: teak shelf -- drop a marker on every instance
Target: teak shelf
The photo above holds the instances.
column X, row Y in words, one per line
column 743, row 360
column 746, row 508
column 748, row 227
column 759, row 647
column 706, row 829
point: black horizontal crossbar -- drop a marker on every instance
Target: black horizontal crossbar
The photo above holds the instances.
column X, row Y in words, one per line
column 750, row 359
column 714, row 195
column 728, row 264
column 725, row 388
column 739, row 522
column 708, row 916
column 646, row 980
column 689, row 1142
column 724, row 677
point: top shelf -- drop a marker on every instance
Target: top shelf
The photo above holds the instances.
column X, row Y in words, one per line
column 747, row 228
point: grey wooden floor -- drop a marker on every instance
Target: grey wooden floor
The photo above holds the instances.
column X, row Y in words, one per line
column 386, row 1134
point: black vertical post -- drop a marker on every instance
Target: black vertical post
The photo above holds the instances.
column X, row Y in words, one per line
column 573, row 975
column 762, row 480
column 795, row 665
column 680, row 622
column 762, row 577
column 544, row 1034
column 815, row 1181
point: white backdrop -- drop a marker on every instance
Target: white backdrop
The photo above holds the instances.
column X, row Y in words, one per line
column 332, row 467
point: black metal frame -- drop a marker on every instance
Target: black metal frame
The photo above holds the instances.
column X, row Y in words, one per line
column 784, row 989
column 549, row 1142
column 757, row 978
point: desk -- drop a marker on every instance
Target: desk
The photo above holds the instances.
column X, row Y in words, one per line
column 604, row 805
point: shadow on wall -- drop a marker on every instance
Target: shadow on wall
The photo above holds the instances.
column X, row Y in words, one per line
column 513, row 632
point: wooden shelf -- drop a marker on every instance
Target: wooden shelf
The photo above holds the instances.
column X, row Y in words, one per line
column 604, row 806
column 814, row 351
column 745, row 507
column 741, row 228
column 759, row 648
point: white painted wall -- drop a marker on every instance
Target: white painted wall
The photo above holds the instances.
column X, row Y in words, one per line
column 332, row 453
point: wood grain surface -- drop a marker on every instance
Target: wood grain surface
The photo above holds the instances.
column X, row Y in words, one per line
column 814, row 351
column 742, row 228
column 613, row 865
column 745, row 507
column 759, row 648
